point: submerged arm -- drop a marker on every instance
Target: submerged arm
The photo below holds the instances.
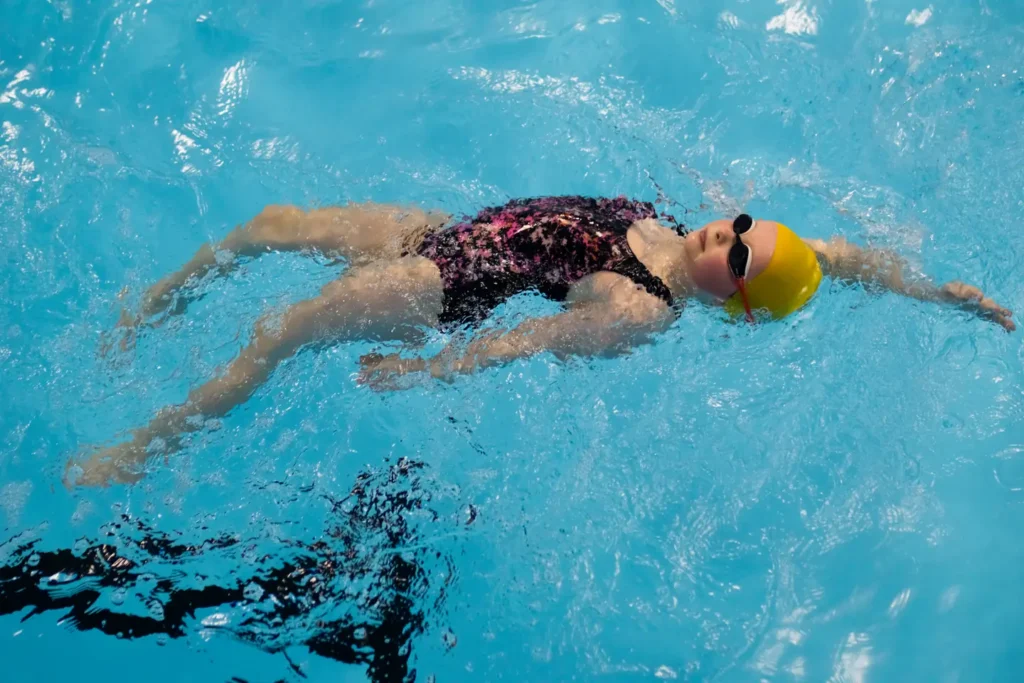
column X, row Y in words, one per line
column 606, row 326
column 884, row 269
column 589, row 330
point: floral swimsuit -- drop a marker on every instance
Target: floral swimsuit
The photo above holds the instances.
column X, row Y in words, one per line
column 545, row 244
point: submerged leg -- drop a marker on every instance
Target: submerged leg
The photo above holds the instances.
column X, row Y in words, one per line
column 361, row 233
column 384, row 300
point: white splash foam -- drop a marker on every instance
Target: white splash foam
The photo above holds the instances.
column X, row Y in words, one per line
column 233, row 87
column 948, row 599
column 917, row 18
column 899, row 603
column 795, row 20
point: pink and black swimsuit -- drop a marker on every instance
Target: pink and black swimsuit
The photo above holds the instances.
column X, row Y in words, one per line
column 545, row 244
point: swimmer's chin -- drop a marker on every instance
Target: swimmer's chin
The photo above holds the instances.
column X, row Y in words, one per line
column 707, row 298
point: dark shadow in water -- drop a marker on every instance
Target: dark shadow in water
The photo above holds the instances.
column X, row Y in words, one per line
column 370, row 563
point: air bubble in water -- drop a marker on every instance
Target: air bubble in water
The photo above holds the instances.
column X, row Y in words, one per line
column 450, row 640
column 360, row 633
column 117, row 597
column 75, row 473
column 34, row 559
column 1009, row 469
column 156, row 610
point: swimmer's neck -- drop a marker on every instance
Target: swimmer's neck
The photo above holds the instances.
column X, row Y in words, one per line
column 664, row 253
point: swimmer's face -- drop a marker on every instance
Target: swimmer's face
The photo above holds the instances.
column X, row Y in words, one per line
column 708, row 252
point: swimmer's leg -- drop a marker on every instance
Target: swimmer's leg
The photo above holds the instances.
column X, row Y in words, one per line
column 360, row 233
column 390, row 300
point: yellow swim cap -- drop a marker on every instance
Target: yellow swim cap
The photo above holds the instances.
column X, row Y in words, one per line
column 790, row 280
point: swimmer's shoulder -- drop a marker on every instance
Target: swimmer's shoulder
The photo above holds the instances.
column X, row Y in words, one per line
column 831, row 251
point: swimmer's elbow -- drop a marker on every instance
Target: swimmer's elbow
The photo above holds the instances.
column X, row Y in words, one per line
column 820, row 247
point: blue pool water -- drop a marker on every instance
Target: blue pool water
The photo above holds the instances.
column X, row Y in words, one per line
column 837, row 497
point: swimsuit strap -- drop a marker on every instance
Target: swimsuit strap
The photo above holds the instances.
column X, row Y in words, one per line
column 636, row 271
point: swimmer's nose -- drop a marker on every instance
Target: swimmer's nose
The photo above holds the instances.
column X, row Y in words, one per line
column 722, row 236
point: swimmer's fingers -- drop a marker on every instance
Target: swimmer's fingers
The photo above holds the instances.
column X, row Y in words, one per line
column 1001, row 316
column 989, row 309
column 971, row 298
column 381, row 373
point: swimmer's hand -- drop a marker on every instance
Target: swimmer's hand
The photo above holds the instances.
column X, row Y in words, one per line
column 386, row 373
column 881, row 268
column 970, row 298
column 119, row 464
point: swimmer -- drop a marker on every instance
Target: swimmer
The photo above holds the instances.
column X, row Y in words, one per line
column 621, row 271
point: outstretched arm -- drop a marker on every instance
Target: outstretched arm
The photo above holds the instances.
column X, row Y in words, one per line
column 883, row 269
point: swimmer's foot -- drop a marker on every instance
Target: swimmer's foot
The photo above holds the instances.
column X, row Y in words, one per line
column 123, row 336
column 128, row 327
column 120, row 464
column 157, row 304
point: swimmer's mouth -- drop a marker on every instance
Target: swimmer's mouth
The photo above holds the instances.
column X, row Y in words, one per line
column 703, row 240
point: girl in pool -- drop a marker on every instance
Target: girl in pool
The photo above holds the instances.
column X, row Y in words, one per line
column 621, row 271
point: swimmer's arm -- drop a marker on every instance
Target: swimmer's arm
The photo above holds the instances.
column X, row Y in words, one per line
column 884, row 269
column 591, row 330
column 599, row 324
column 608, row 316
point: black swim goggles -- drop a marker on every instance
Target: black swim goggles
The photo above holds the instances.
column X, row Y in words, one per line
column 740, row 258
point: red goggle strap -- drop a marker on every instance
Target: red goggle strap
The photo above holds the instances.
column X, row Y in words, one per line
column 741, row 283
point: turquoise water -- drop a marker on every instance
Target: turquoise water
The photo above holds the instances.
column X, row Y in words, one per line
column 838, row 497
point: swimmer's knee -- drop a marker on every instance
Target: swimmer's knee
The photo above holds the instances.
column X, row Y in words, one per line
column 405, row 277
column 280, row 213
column 277, row 226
